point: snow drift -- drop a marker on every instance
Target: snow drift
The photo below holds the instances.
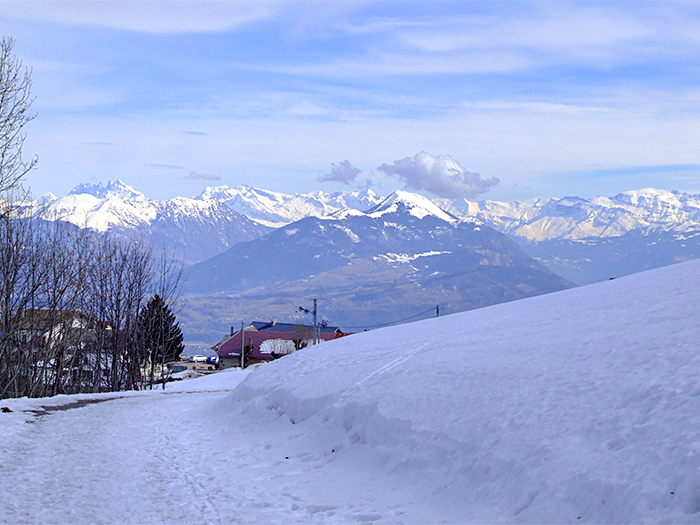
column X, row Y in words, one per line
column 577, row 406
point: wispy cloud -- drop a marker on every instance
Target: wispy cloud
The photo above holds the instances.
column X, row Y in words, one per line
column 521, row 89
column 201, row 176
column 548, row 29
column 500, row 38
column 638, row 170
column 155, row 16
column 165, row 166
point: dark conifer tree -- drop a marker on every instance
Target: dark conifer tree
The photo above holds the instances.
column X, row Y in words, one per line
column 162, row 337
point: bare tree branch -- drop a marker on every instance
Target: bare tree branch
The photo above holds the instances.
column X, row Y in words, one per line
column 15, row 103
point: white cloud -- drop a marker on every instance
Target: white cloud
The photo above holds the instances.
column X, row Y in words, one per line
column 441, row 176
column 596, row 84
column 530, row 149
column 397, row 63
column 533, row 107
column 546, row 29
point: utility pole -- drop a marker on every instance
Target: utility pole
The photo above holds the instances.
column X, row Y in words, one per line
column 437, row 311
column 315, row 312
column 242, row 345
column 315, row 322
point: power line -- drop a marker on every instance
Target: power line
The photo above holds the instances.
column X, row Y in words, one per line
column 538, row 258
column 392, row 322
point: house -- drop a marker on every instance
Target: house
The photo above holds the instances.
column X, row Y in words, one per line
column 266, row 341
column 223, row 340
column 61, row 347
column 43, row 327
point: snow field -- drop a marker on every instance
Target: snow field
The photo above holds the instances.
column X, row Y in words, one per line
column 583, row 403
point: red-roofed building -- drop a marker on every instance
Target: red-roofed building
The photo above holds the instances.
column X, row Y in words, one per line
column 267, row 345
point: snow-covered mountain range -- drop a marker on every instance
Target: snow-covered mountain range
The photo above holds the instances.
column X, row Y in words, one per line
column 533, row 220
column 584, row 240
column 589, row 240
column 575, row 218
column 275, row 209
column 194, row 229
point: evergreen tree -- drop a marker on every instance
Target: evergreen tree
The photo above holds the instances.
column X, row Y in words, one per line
column 162, row 337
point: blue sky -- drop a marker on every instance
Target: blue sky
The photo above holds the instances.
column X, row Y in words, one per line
column 550, row 98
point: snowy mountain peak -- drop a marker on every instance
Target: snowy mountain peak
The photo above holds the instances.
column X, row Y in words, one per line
column 114, row 188
column 275, row 209
column 86, row 188
column 46, row 198
column 646, row 196
column 577, row 218
column 194, row 229
column 414, row 204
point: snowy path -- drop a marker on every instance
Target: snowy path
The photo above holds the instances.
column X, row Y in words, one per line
column 123, row 460
column 172, row 457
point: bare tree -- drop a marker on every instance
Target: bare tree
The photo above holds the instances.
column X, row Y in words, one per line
column 70, row 298
column 70, row 303
column 15, row 103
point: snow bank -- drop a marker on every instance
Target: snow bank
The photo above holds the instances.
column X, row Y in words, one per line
column 578, row 406
column 224, row 380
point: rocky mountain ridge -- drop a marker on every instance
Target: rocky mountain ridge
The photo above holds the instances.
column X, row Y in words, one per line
column 576, row 218
column 531, row 220
column 191, row 229
column 275, row 209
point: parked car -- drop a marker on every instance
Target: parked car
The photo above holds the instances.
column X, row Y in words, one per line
column 213, row 360
column 199, row 359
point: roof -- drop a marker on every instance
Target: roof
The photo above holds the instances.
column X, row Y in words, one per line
column 45, row 319
column 274, row 326
column 232, row 347
column 223, row 340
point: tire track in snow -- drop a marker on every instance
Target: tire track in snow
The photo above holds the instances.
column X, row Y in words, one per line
column 390, row 365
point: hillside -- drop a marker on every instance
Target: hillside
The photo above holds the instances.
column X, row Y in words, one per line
column 579, row 406
column 401, row 257
column 582, row 403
